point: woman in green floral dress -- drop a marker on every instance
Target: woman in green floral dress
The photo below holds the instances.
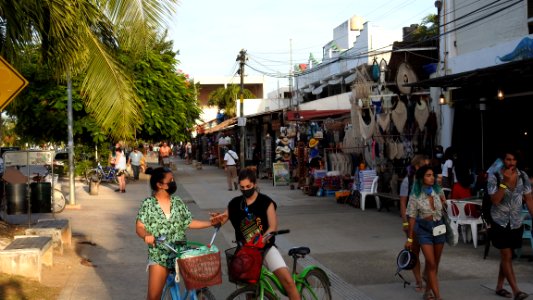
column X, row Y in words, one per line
column 163, row 214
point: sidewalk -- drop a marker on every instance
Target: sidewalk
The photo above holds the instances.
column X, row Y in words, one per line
column 358, row 249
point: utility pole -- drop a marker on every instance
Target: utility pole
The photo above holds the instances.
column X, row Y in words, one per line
column 290, row 73
column 71, row 171
column 242, row 60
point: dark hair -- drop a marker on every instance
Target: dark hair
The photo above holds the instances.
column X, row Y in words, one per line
column 449, row 153
column 419, row 180
column 512, row 152
column 157, row 175
column 249, row 174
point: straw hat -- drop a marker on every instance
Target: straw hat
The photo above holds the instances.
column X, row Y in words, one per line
column 421, row 113
column 285, row 140
column 313, row 143
column 405, row 75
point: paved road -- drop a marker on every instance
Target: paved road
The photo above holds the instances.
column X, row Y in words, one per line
column 358, row 249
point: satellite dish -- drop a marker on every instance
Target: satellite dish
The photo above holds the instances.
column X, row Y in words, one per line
column 405, row 75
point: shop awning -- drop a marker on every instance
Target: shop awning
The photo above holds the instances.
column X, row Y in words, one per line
column 516, row 72
column 223, row 125
column 305, row 115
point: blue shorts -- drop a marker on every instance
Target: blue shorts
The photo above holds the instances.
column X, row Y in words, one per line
column 424, row 232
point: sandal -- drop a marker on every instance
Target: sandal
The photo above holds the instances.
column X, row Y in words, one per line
column 504, row 293
column 520, row 296
column 428, row 295
column 419, row 287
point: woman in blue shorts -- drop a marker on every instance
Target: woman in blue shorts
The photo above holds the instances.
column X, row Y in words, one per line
column 425, row 210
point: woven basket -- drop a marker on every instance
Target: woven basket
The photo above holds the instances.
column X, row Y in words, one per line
column 201, row 271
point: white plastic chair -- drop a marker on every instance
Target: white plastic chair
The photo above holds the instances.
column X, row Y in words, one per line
column 463, row 219
column 372, row 192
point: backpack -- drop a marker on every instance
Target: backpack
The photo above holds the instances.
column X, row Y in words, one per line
column 486, row 204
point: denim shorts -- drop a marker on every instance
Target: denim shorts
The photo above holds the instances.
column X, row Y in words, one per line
column 424, row 232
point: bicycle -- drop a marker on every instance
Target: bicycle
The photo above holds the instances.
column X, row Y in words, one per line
column 312, row 282
column 195, row 251
column 58, row 199
column 103, row 174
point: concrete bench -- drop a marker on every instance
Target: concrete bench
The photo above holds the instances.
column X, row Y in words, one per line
column 58, row 230
column 388, row 197
column 25, row 256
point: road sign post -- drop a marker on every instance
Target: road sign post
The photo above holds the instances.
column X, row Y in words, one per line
column 11, row 83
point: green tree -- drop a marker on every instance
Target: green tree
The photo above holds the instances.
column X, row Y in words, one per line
column 79, row 37
column 169, row 98
column 428, row 28
column 224, row 98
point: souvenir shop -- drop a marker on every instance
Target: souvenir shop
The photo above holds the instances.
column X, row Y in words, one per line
column 379, row 137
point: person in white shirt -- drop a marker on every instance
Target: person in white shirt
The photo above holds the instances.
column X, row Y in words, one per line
column 230, row 166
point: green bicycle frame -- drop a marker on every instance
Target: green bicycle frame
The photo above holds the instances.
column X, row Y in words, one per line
column 269, row 282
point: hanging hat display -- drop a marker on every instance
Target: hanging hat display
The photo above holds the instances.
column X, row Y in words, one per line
column 284, row 140
column 405, row 75
column 367, row 130
column 313, row 143
column 384, row 121
column 399, row 116
column 421, row 114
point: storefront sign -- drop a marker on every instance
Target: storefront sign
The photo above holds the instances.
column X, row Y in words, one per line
column 281, row 173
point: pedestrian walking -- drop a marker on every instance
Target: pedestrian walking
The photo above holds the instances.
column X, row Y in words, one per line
column 120, row 167
column 425, row 210
column 417, row 162
column 135, row 161
column 164, row 155
column 508, row 193
column 230, row 166
column 163, row 214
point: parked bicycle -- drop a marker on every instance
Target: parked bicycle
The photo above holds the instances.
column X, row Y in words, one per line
column 103, row 174
column 58, row 199
column 312, row 282
column 198, row 265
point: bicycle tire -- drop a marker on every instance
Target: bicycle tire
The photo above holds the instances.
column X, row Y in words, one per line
column 58, row 205
column 319, row 283
column 250, row 292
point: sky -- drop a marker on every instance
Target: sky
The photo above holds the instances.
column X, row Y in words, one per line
column 210, row 34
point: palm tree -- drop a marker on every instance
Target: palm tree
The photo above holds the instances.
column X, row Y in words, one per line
column 81, row 37
column 225, row 97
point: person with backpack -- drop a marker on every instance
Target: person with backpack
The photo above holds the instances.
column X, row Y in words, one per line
column 230, row 166
column 508, row 188
column 418, row 161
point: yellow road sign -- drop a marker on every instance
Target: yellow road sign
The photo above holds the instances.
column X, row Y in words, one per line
column 11, row 83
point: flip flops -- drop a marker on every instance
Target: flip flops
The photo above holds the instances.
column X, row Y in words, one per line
column 520, row 296
column 504, row 293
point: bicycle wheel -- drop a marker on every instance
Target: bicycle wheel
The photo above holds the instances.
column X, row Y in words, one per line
column 59, row 202
column 317, row 287
column 205, row 294
column 250, row 292
column 92, row 174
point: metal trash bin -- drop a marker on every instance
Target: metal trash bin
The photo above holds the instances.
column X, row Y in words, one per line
column 41, row 197
column 16, row 198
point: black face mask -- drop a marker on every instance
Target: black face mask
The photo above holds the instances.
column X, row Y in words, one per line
column 172, row 187
column 248, row 193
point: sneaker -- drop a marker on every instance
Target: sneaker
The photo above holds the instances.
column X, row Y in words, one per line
column 117, row 190
column 123, row 191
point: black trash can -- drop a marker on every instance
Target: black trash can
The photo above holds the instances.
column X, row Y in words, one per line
column 16, row 198
column 41, row 197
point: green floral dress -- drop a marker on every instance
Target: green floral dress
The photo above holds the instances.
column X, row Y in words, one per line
column 157, row 224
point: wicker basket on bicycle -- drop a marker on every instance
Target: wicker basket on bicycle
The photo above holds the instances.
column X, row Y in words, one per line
column 244, row 264
column 200, row 269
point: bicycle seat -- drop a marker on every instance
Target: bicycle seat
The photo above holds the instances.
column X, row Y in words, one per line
column 300, row 251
